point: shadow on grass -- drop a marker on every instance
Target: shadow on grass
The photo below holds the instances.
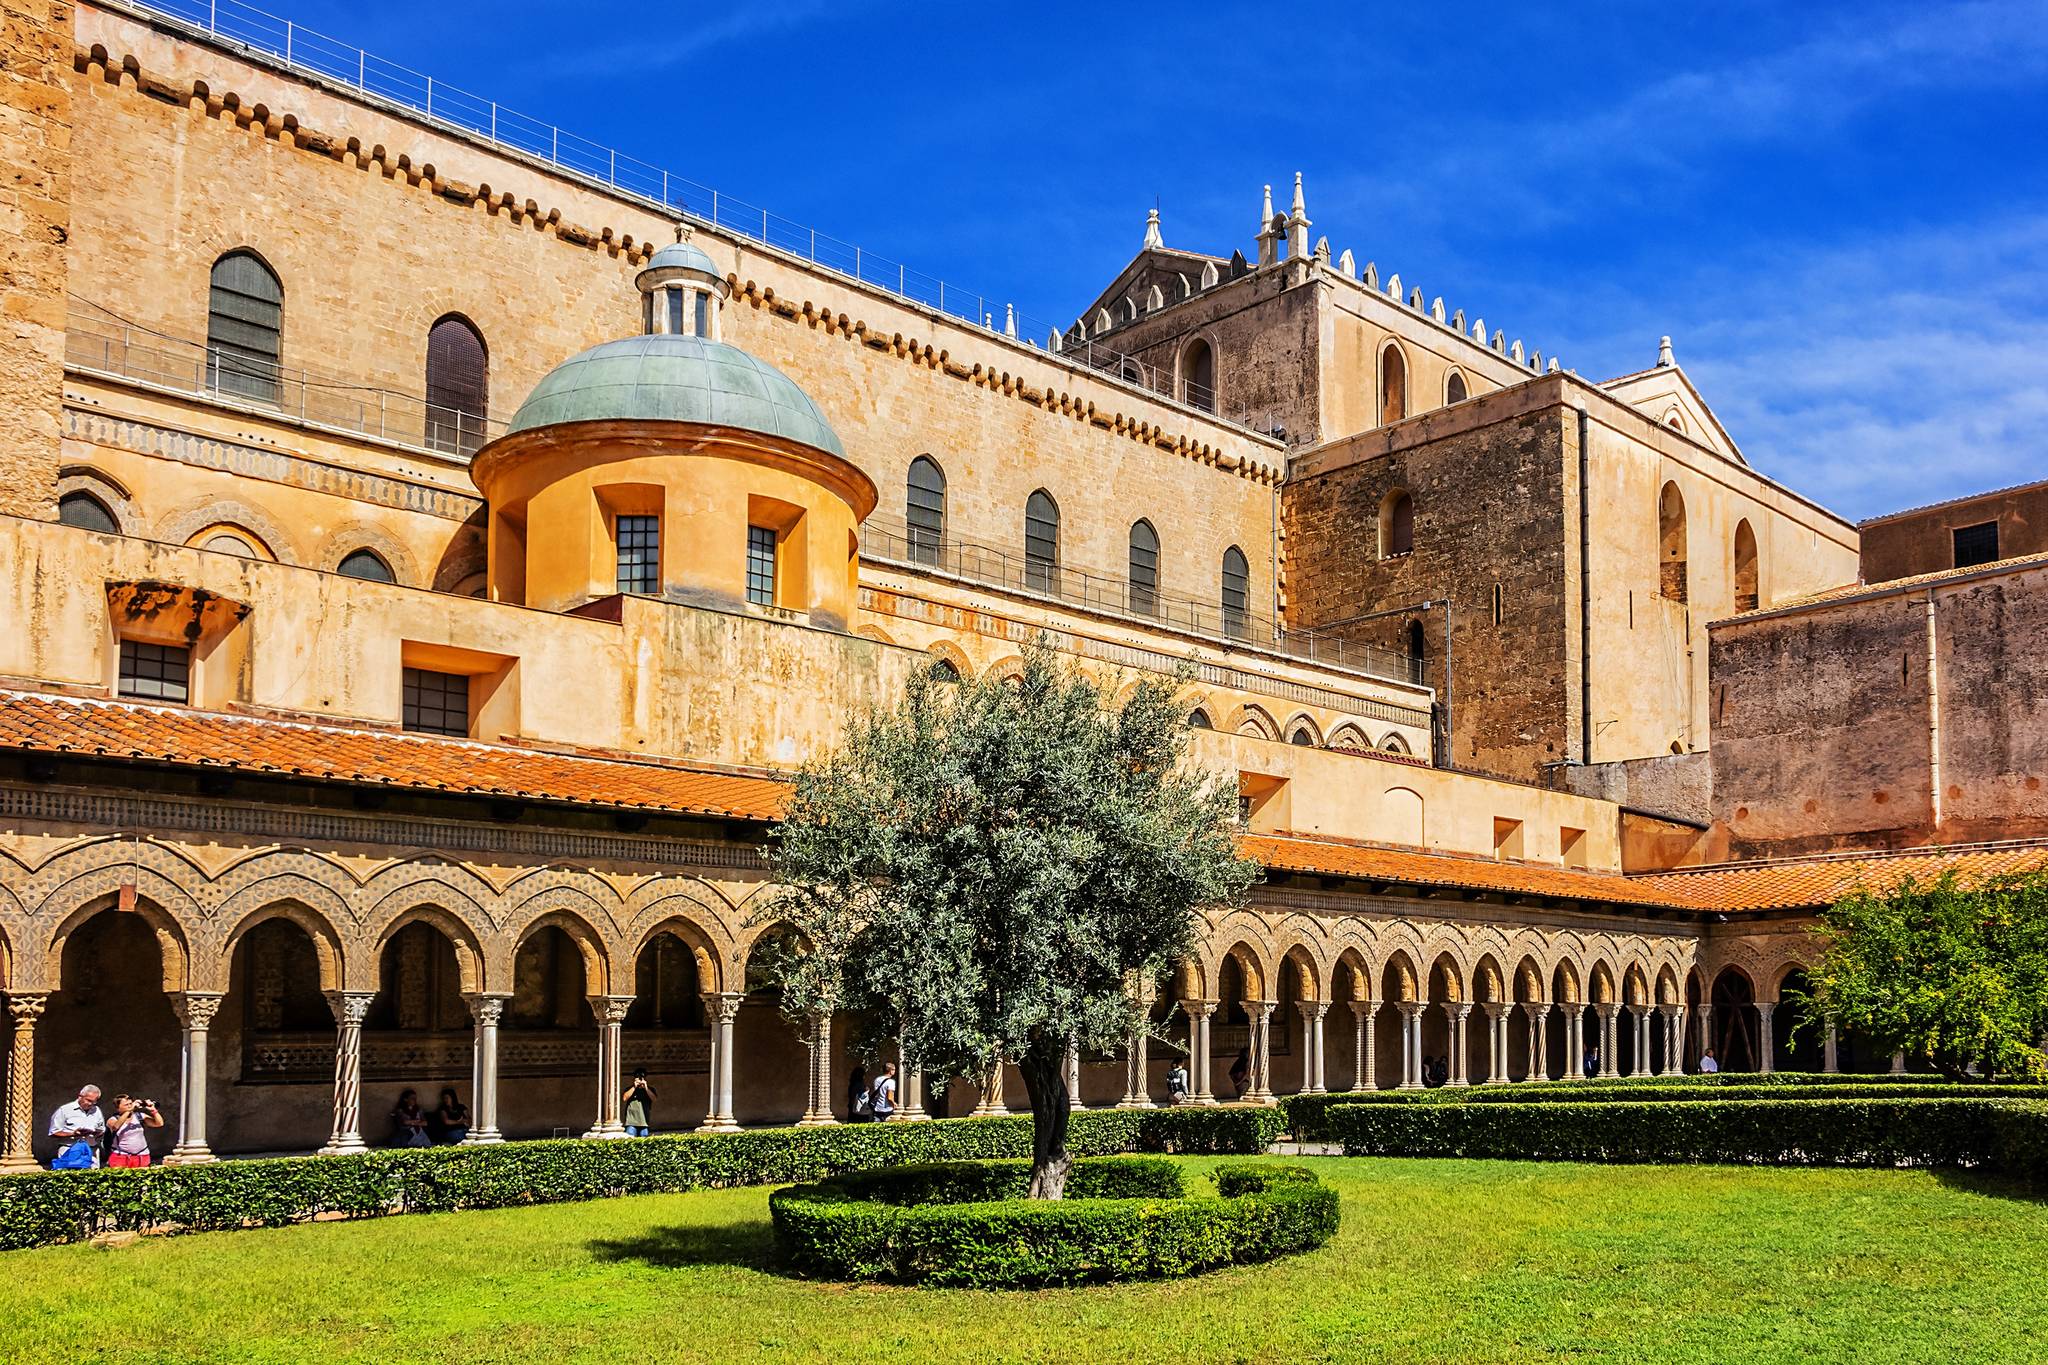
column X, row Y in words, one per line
column 1990, row 1186
column 749, row 1245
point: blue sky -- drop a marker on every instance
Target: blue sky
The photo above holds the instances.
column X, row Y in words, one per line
column 1840, row 214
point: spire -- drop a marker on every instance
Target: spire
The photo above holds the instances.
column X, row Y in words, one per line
column 1297, row 224
column 1153, row 241
column 1269, row 236
column 1664, row 352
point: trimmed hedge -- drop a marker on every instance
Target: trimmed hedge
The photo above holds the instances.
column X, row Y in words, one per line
column 39, row 1209
column 2008, row 1136
column 904, row 1226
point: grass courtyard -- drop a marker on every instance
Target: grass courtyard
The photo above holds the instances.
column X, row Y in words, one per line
column 1437, row 1260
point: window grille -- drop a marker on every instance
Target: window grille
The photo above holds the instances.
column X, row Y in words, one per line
column 1976, row 544
column 924, row 499
column 761, row 566
column 458, row 387
column 1144, row 569
column 436, row 703
column 87, row 512
column 244, row 324
column 155, row 672
column 1237, row 591
column 639, row 554
column 365, row 564
column 1041, row 542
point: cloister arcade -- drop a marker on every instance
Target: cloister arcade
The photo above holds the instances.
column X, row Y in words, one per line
column 279, row 1002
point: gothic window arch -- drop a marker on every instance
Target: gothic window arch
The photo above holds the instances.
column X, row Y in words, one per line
column 924, row 509
column 1144, row 568
column 1747, row 589
column 1041, row 542
column 458, row 386
column 1237, row 593
column 244, row 327
column 1198, row 375
column 1671, row 543
column 86, row 512
column 367, row 565
column 1455, row 390
column 1393, row 384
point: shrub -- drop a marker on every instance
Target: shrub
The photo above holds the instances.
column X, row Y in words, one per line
column 67, row 1206
column 896, row 1225
column 2000, row 1135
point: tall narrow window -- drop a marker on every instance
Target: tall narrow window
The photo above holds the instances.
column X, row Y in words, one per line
column 1454, row 388
column 1975, row 544
column 1500, row 606
column 1144, row 569
column 1397, row 524
column 436, row 703
column 1198, row 376
column 761, row 565
column 155, row 672
column 1041, row 542
column 704, row 313
column 1418, row 652
column 1393, row 386
column 244, row 324
column 639, row 554
column 1671, row 543
column 458, row 386
column 1747, row 594
column 924, row 509
column 1237, row 593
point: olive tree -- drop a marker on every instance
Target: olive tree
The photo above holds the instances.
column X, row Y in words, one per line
column 1953, row 973
column 993, row 870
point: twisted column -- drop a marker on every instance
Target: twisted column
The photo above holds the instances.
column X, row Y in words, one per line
column 1137, row 1081
column 1610, row 1036
column 350, row 1009
column 1074, row 1104
column 487, row 1009
column 720, row 1009
column 17, row 1143
column 611, row 1016
column 818, row 1103
column 1362, row 1074
column 1538, row 1012
column 195, row 1011
column 1261, row 1012
column 1674, row 1033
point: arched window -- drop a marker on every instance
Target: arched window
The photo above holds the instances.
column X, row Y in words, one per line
column 1237, row 593
column 1394, row 744
column 1144, row 568
column 924, row 509
column 367, row 564
column 1397, row 524
column 1747, row 596
column 86, row 512
column 1418, row 651
column 1393, row 385
column 1198, row 375
column 1041, row 542
column 1198, row 719
column 943, row 671
column 458, row 386
column 1454, row 388
column 244, row 324
column 1303, row 738
column 1671, row 543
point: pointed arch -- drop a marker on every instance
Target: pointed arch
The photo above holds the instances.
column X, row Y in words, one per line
column 1747, row 593
column 469, row 952
column 1393, row 404
column 1671, row 549
column 458, row 386
column 924, row 509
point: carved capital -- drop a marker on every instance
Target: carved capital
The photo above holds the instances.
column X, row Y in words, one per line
column 1536, row 1009
column 722, row 1007
column 487, row 1008
column 196, row 1008
column 1411, row 1008
column 1497, row 1009
column 1456, row 1009
column 26, row 1008
column 1363, row 1009
column 350, row 1007
column 1315, row 1009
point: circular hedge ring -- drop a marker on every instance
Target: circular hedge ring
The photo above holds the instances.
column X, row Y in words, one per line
column 966, row 1223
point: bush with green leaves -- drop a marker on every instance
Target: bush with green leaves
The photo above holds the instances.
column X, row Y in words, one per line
column 1122, row 1218
column 2009, row 1136
column 63, row 1206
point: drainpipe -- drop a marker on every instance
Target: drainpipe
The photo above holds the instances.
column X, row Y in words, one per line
column 1450, row 743
column 1933, row 719
column 1585, row 597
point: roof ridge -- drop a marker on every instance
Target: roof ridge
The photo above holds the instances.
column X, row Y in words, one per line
column 1849, row 855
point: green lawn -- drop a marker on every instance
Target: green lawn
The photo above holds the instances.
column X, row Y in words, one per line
column 1437, row 1260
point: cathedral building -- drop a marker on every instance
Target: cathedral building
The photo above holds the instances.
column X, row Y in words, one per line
column 428, row 541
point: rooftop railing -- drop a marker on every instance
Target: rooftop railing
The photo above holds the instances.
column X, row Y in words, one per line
column 298, row 48
column 101, row 341
column 889, row 538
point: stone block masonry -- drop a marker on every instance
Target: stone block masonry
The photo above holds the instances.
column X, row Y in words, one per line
column 35, row 228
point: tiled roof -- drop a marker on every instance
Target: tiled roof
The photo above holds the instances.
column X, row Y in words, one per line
column 1416, row 868
column 1795, row 883
column 1891, row 586
column 1955, row 502
column 167, row 734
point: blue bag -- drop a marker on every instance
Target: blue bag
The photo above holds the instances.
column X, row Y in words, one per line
column 76, row 1157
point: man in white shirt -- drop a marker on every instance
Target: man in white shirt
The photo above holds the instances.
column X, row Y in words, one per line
column 1708, row 1066
column 80, row 1119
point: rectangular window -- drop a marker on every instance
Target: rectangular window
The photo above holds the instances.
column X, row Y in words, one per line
column 157, row 672
column 1976, row 544
column 639, row 554
column 675, row 312
column 436, row 703
column 703, row 315
column 761, row 566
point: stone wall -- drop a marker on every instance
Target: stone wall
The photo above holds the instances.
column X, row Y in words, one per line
column 1826, row 724
column 35, row 231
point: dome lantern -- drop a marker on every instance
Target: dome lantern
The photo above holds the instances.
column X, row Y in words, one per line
column 681, row 291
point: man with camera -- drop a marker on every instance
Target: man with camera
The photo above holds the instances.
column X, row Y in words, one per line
column 127, row 1140
column 79, row 1124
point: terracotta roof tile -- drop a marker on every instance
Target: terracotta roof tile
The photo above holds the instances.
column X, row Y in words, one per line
column 1892, row 586
column 167, row 734
column 1415, row 867
column 1822, row 880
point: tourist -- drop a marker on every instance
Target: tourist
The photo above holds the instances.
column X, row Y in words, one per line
column 882, row 1099
column 78, row 1124
column 1241, row 1072
column 1592, row 1067
column 1177, row 1081
column 639, row 1102
column 1708, row 1066
column 450, row 1120
column 860, row 1101
column 127, row 1131
column 409, row 1122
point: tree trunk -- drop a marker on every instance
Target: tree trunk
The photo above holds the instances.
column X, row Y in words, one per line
column 1044, row 1068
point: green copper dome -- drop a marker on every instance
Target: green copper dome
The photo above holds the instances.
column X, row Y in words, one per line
column 666, row 378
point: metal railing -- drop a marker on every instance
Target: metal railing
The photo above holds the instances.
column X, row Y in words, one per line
column 889, row 538
column 298, row 48
column 101, row 341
